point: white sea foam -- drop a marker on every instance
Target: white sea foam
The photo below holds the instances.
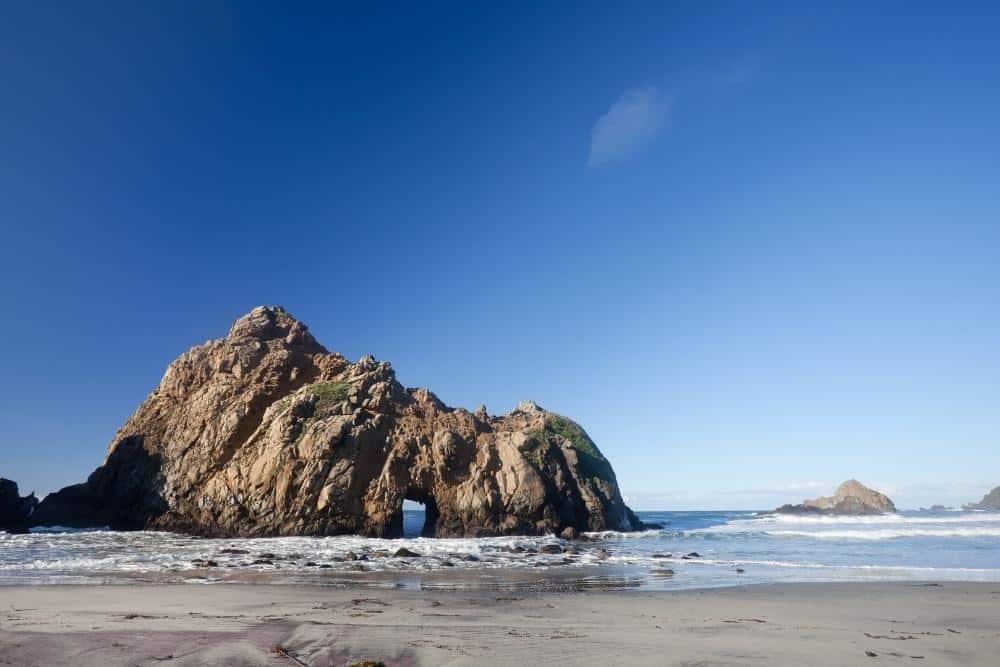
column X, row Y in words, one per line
column 888, row 533
column 733, row 547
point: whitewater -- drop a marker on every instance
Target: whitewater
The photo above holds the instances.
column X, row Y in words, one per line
column 692, row 550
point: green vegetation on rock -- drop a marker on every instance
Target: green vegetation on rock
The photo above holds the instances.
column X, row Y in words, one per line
column 592, row 463
column 328, row 394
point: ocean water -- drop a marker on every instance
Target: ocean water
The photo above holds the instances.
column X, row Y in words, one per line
column 693, row 550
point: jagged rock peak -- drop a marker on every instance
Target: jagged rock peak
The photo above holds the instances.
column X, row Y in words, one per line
column 851, row 497
column 264, row 432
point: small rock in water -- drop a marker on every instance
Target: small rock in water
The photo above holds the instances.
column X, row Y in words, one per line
column 266, row 556
column 694, row 554
column 740, row 570
column 569, row 533
column 310, row 564
column 405, row 553
column 234, row 551
column 262, row 561
column 666, row 572
column 663, row 555
column 325, row 566
column 602, row 554
column 550, row 549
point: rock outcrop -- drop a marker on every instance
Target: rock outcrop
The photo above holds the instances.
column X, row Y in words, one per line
column 265, row 432
column 991, row 501
column 15, row 511
column 851, row 497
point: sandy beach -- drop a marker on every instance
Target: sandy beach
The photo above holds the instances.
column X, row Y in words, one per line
column 791, row 624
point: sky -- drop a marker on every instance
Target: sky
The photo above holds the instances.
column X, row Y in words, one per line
column 753, row 248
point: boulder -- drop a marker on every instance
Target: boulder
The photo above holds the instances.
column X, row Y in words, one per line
column 15, row 511
column 851, row 497
column 265, row 432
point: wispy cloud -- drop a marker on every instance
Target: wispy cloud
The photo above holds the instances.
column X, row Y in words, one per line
column 636, row 119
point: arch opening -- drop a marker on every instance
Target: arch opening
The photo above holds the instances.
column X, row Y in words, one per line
column 415, row 525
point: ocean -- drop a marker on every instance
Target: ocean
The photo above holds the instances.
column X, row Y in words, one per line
column 692, row 550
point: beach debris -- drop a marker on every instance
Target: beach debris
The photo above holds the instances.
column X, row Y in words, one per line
column 278, row 649
column 871, row 654
column 898, row 638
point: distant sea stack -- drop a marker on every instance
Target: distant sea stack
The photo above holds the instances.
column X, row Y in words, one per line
column 851, row 497
column 15, row 511
column 991, row 501
column 265, row 432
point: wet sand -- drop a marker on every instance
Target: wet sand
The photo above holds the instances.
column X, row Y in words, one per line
column 787, row 624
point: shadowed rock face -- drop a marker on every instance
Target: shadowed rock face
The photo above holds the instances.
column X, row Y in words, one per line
column 991, row 501
column 264, row 432
column 15, row 511
column 851, row 497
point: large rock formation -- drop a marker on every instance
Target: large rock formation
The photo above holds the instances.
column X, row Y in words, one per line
column 991, row 501
column 851, row 497
column 15, row 511
column 265, row 432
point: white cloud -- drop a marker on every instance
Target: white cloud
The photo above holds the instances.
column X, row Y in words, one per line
column 632, row 122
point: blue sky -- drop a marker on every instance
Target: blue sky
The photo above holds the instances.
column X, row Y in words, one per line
column 754, row 250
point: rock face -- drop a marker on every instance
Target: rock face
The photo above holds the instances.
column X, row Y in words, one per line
column 15, row 511
column 265, row 432
column 991, row 501
column 851, row 497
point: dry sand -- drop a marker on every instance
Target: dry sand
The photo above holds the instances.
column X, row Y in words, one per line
column 794, row 624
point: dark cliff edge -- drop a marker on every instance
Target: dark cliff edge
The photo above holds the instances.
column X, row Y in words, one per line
column 16, row 512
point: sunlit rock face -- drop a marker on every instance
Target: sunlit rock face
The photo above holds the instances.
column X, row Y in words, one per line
column 851, row 497
column 265, row 432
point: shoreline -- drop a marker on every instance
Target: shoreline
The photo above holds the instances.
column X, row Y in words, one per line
column 241, row 624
